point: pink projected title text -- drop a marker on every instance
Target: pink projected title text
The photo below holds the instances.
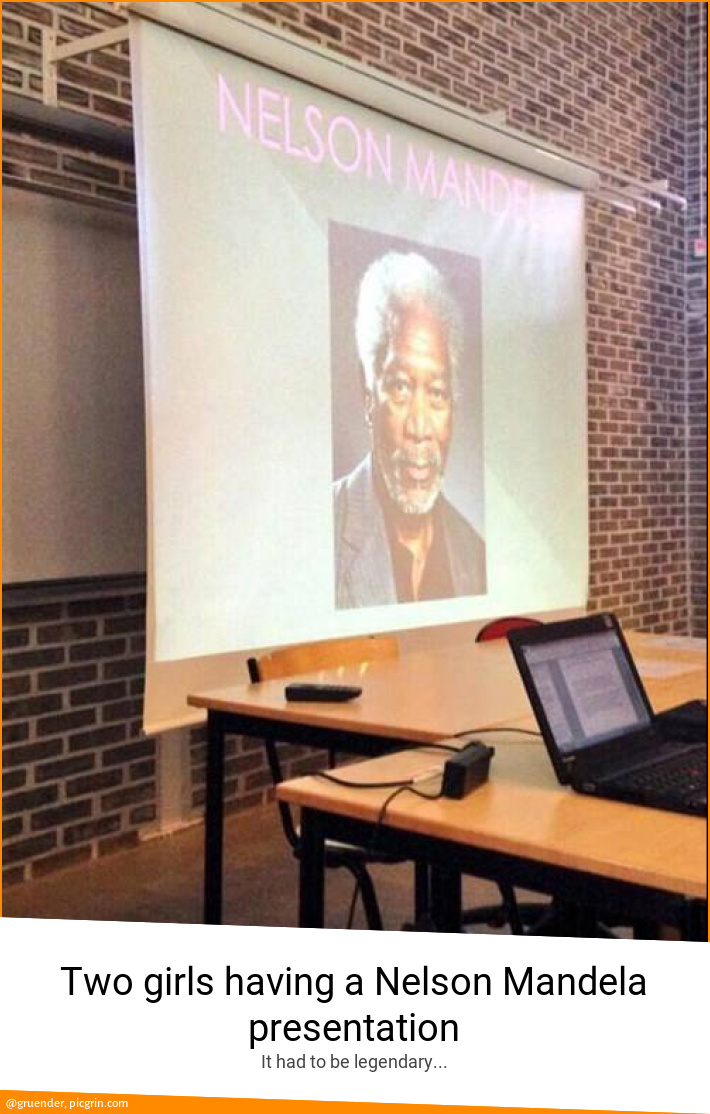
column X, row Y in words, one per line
column 269, row 117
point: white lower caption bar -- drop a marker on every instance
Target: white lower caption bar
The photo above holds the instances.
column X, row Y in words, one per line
column 388, row 1017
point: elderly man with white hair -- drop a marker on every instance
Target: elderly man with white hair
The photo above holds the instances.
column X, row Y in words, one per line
column 397, row 538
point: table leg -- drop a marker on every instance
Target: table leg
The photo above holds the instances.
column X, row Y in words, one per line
column 214, row 819
column 646, row 930
column 446, row 898
column 422, row 892
column 694, row 924
column 311, row 911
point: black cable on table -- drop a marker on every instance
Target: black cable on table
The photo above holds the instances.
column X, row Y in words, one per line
column 496, row 731
column 404, row 787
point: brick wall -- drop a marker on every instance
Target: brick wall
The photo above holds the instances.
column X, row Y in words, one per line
column 61, row 166
column 79, row 778
column 697, row 294
column 98, row 84
column 615, row 82
column 247, row 780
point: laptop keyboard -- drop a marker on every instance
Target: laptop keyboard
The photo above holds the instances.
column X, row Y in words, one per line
column 682, row 779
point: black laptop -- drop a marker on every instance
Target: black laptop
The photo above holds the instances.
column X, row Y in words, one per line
column 596, row 720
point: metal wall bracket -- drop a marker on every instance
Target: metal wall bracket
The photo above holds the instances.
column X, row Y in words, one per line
column 52, row 55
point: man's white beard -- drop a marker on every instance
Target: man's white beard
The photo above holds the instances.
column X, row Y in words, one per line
column 409, row 500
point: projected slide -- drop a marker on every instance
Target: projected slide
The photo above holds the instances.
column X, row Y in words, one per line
column 410, row 314
column 365, row 366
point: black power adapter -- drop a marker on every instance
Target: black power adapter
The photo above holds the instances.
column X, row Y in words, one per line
column 466, row 771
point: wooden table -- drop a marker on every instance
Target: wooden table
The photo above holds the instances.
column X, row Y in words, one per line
column 419, row 698
column 620, row 860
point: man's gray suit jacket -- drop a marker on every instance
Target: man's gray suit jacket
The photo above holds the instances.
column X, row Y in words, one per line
column 364, row 576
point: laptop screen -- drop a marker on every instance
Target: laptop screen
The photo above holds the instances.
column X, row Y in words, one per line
column 586, row 688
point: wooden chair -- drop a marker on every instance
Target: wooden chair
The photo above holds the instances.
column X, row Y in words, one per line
column 309, row 658
column 312, row 656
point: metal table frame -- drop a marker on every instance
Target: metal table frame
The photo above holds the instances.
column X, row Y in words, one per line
column 219, row 725
column 441, row 863
column 591, row 896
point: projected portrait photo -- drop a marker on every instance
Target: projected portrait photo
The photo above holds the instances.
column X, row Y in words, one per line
column 408, row 497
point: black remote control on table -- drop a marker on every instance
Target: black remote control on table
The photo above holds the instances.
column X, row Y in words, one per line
column 321, row 693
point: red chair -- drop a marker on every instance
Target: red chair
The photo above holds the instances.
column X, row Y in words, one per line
column 499, row 628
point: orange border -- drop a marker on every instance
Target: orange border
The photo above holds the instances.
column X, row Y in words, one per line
column 140, row 1104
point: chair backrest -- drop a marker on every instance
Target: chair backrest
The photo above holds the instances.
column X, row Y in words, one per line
column 312, row 656
column 308, row 658
column 498, row 628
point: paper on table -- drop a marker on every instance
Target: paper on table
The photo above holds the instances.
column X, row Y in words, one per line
column 678, row 642
column 653, row 668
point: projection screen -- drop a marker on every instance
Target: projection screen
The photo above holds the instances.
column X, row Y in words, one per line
column 349, row 322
